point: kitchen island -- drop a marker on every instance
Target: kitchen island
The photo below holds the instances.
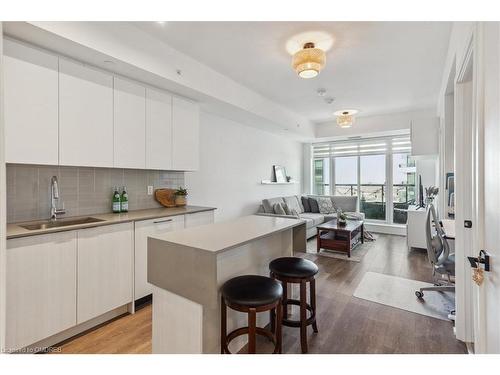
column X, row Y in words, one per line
column 188, row 267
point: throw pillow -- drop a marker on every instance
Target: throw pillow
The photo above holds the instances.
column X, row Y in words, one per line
column 325, row 205
column 287, row 209
column 292, row 202
column 295, row 213
column 278, row 209
column 313, row 203
column 305, row 203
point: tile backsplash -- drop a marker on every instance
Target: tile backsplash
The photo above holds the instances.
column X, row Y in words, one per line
column 83, row 190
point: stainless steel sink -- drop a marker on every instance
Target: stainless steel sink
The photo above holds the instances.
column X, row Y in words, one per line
column 46, row 224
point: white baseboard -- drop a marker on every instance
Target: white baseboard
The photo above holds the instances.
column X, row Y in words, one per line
column 398, row 230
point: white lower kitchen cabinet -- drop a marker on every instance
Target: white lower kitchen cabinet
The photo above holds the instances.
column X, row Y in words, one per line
column 144, row 229
column 199, row 218
column 41, row 287
column 105, row 261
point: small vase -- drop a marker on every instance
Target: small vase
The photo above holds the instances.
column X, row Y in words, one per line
column 180, row 200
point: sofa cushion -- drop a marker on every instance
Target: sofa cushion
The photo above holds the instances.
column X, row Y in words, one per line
column 313, row 203
column 269, row 204
column 279, row 209
column 293, row 203
column 301, row 206
column 326, row 205
column 316, row 218
column 309, row 222
column 305, row 204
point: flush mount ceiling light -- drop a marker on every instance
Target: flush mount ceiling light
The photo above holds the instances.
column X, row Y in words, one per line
column 309, row 61
column 345, row 117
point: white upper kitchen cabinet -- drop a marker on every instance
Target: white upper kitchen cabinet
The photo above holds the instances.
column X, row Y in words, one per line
column 31, row 100
column 185, row 135
column 41, row 287
column 105, row 269
column 158, row 130
column 425, row 136
column 85, row 115
column 129, row 124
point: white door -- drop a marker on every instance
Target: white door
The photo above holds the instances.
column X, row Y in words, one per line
column 158, row 130
column 105, row 279
column 129, row 124
column 31, row 101
column 41, row 287
column 185, row 135
column 85, row 115
column 487, row 327
column 144, row 229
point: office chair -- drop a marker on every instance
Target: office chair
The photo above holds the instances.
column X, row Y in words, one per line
column 438, row 253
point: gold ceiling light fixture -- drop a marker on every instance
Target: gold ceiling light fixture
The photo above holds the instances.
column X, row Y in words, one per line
column 345, row 117
column 309, row 61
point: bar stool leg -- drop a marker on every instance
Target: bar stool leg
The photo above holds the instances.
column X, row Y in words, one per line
column 251, row 330
column 279, row 317
column 285, row 297
column 223, row 328
column 272, row 312
column 303, row 317
column 312, row 291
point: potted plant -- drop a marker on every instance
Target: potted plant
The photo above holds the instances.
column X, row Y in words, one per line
column 180, row 197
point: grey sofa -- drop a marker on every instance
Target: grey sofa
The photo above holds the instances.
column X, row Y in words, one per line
column 347, row 204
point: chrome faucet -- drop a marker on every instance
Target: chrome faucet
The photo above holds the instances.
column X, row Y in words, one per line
column 54, row 198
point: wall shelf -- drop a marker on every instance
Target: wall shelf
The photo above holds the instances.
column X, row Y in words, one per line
column 269, row 182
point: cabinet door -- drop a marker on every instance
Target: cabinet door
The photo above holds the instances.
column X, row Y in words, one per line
column 185, row 135
column 158, row 130
column 31, row 100
column 199, row 218
column 41, row 287
column 144, row 229
column 129, row 124
column 85, row 116
column 104, row 269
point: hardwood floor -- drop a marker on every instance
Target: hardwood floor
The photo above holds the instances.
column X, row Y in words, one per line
column 346, row 324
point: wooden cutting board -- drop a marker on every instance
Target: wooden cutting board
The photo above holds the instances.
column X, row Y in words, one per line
column 166, row 197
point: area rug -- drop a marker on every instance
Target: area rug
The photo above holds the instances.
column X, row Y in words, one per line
column 356, row 255
column 400, row 293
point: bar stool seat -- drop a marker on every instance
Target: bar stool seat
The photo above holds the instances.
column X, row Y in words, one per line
column 293, row 267
column 294, row 270
column 252, row 290
column 252, row 294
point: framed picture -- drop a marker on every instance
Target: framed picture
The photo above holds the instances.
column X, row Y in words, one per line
column 279, row 173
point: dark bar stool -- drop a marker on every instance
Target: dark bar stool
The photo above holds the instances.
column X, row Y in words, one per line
column 297, row 271
column 251, row 294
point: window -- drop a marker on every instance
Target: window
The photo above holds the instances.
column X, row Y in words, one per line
column 378, row 170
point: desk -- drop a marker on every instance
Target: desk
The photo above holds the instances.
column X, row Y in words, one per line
column 449, row 228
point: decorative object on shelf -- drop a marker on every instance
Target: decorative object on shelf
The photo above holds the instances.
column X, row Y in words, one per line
column 309, row 61
column 166, row 197
column 345, row 117
column 279, row 174
column 341, row 218
column 288, row 178
column 180, row 197
column 430, row 193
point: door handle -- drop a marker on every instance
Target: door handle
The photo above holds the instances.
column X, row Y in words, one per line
column 162, row 221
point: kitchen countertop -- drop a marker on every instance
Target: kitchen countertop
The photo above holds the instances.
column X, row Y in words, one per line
column 218, row 237
column 14, row 230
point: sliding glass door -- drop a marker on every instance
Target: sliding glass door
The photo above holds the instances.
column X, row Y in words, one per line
column 380, row 171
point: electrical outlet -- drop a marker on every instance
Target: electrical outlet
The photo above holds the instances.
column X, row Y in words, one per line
column 150, row 190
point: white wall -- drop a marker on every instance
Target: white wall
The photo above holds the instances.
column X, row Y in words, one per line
column 234, row 160
column 3, row 211
column 374, row 125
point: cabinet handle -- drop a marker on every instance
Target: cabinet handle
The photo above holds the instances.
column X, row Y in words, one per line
column 162, row 221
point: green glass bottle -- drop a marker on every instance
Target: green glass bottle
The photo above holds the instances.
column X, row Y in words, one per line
column 116, row 200
column 124, row 200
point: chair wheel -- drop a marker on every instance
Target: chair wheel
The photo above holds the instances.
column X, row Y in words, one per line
column 419, row 294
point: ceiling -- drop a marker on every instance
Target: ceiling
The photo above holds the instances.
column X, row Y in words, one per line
column 375, row 67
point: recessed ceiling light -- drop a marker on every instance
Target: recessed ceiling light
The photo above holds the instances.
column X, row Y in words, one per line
column 329, row 100
column 321, row 92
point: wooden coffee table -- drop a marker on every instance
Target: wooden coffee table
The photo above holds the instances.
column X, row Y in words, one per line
column 343, row 238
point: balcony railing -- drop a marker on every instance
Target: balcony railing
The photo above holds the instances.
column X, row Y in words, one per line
column 373, row 199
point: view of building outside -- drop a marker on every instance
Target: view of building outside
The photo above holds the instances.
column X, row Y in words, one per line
column 372, row 184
